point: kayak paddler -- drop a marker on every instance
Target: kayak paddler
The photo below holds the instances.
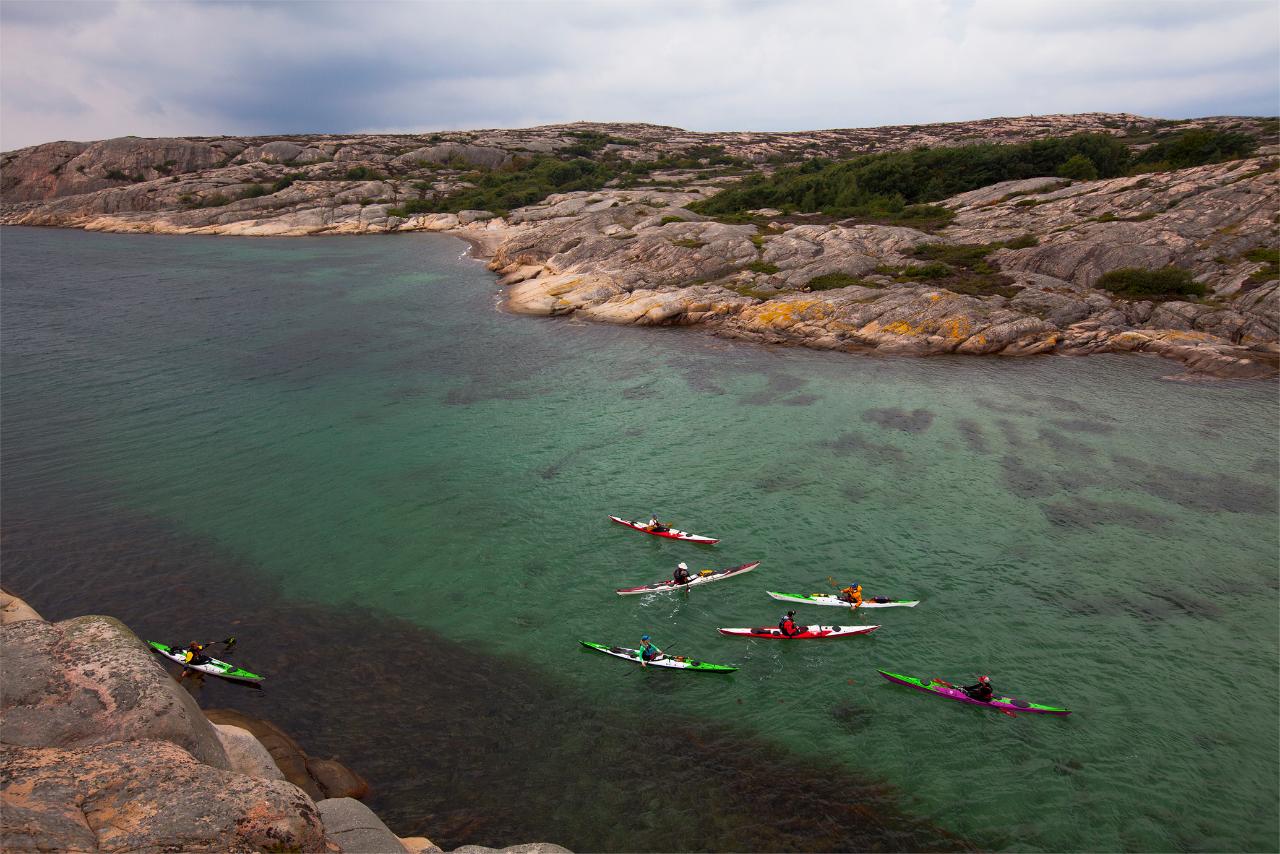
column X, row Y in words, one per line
column 656, row 526
column 648, row 652
column 192, row 653
column 981, row 691
column 681, row 575
column 853, row 595
column 788, row 625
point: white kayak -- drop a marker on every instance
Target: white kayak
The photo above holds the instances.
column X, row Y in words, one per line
column 678, row 662
column 706, row 576
column 806, row 632
column 835, row 601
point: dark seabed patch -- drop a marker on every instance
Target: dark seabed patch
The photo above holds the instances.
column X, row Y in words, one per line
column 443, row 733
column 1084, row 514
column 852, row 719
column 1203, row 492
column 1008, row 408
column 971, row 432
column 854, row 492
column 1022, row 480
column 1154, row 606
column 855, row 443
column 915, row 421
column 1064, row 445
column 778, row 385
column 639, row 392
column 1010, row 431
column 800, row 400
column 1082, row 425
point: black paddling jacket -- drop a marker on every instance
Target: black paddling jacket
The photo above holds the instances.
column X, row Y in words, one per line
column 982, row 691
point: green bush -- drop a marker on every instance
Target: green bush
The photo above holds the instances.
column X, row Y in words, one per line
column 888, row 185
column 762, row 267
column 287, row 181
column 253, row 191
column 362, row 173
column 1078, row 168
column 689, row 244
column 1194, row 147
column 831, row 281
column 1137, row 283
column 667, row 220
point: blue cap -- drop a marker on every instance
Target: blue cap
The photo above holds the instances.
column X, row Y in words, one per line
column 644, row 637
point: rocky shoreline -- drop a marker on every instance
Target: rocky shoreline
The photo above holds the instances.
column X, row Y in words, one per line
column 104, row 750
column 634, row 253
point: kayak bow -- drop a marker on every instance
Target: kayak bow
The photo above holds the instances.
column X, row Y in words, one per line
column 678, row 662
column 671, row 534
column 710, row 576
column 809, row 632
column 1005, row 704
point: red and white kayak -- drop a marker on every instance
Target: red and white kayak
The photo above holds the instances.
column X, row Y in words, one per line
column 670, row 534
column 809, row 632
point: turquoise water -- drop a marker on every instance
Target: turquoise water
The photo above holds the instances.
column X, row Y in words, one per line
column 356, row 420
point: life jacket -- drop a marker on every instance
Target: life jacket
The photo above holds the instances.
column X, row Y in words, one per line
column 681, row 576
column 648, row 652
column 788, row 626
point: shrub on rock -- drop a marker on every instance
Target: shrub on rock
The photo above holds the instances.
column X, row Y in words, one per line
column 1137, row 283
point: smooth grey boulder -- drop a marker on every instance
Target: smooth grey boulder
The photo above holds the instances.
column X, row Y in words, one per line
column 356, row 828
column 246, row 753
column 89, row 681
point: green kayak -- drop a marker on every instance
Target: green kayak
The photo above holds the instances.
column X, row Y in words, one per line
column 212, row 666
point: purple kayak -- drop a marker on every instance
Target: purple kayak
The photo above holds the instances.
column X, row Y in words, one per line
column 1004, row 704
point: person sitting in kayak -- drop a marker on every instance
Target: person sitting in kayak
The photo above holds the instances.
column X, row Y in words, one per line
column 648, row 652
column 982, row 691
column 681, row 575
column 655, row 526
column 194, row 654
column 852, row 594
column 788, row 625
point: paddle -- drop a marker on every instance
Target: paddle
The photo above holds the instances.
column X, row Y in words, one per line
column 228, row 643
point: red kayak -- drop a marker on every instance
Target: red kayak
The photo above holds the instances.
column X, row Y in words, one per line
column 670, row 533
column 809, row 632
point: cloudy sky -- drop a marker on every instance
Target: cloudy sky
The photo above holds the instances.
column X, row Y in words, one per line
column 90, row 70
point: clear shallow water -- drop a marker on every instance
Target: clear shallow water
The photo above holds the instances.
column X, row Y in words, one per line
column 354, row 421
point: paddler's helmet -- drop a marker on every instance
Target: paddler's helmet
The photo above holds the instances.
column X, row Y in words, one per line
column 791, row 613
column 644, row 637
column 984, row 679
column 196, row 645
column 682, row 565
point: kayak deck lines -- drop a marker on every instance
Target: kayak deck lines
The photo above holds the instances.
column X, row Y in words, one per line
column 1004, row 704
column 670, row 533
column 678, row 662
column 706, row 576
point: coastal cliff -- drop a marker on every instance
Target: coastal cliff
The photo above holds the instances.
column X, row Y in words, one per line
column 1015, row 267
column 104, row 751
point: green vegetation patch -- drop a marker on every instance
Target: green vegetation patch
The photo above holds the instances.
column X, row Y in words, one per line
column 962, row 268
column 1163, row 284
column 1270, row 257
column 900, row 185
column 1195, row 147
column 689, row 243
column 831, row 281
column 762, row 267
